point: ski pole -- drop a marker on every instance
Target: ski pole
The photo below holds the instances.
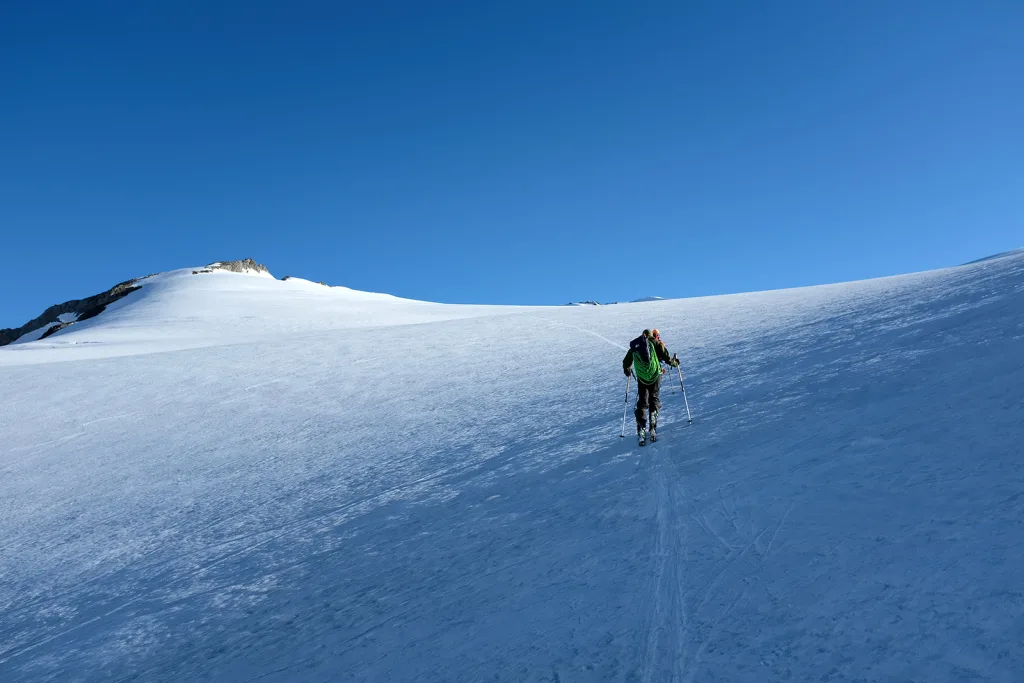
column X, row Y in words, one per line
column 625, row 407
column 689, row 420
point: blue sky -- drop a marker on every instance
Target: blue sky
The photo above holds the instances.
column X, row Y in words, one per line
column 514, row 152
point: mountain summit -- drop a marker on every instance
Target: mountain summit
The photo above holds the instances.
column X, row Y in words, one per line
column 60, row 316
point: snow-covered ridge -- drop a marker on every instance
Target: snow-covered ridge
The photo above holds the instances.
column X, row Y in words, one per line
column 1000, row 255
column 58, row 318
column 222, row 303
column 228, row 302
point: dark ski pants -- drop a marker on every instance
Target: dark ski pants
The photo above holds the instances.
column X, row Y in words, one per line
column 648, row 397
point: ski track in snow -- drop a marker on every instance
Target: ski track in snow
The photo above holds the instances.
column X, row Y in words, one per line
column 436, row 493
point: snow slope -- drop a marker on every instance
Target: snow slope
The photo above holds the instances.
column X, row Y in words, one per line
column 233, row 478
column 182, row 310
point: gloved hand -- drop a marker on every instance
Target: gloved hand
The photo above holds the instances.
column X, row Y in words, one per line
column 627, row 371
column 674, row 362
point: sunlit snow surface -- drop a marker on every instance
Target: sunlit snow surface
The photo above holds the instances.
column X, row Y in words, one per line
column 231, row 478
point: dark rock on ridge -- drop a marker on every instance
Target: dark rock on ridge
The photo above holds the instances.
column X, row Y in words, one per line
column 84, row 308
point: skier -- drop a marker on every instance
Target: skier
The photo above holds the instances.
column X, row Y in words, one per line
column 644, row 359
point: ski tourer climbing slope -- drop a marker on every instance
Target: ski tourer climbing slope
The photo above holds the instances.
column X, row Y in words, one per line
column 643, row 359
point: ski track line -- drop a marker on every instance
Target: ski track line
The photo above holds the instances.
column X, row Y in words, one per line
column 729, row 514
column 263, row 384
column 702, row 520
column 708, row 590
column 581, row 329
column 779, row 528
column 686, row 665
column 676, row 638
column 657, row 597
column 669, row 616
column 46, row 443
column 10, row 465
column 731, row 562
column 681, row 617
column 104, row 419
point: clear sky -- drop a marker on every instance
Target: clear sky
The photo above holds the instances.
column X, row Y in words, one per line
column 506, row 152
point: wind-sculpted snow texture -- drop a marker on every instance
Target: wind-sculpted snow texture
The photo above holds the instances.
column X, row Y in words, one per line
column 237, row 479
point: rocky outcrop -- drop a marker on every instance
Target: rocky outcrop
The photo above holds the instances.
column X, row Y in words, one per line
column 86, row 308
column 243, row 266
column 55, row 328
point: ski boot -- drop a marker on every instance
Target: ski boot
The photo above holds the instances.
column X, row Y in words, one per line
column 653, row 426
column 641, row 436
